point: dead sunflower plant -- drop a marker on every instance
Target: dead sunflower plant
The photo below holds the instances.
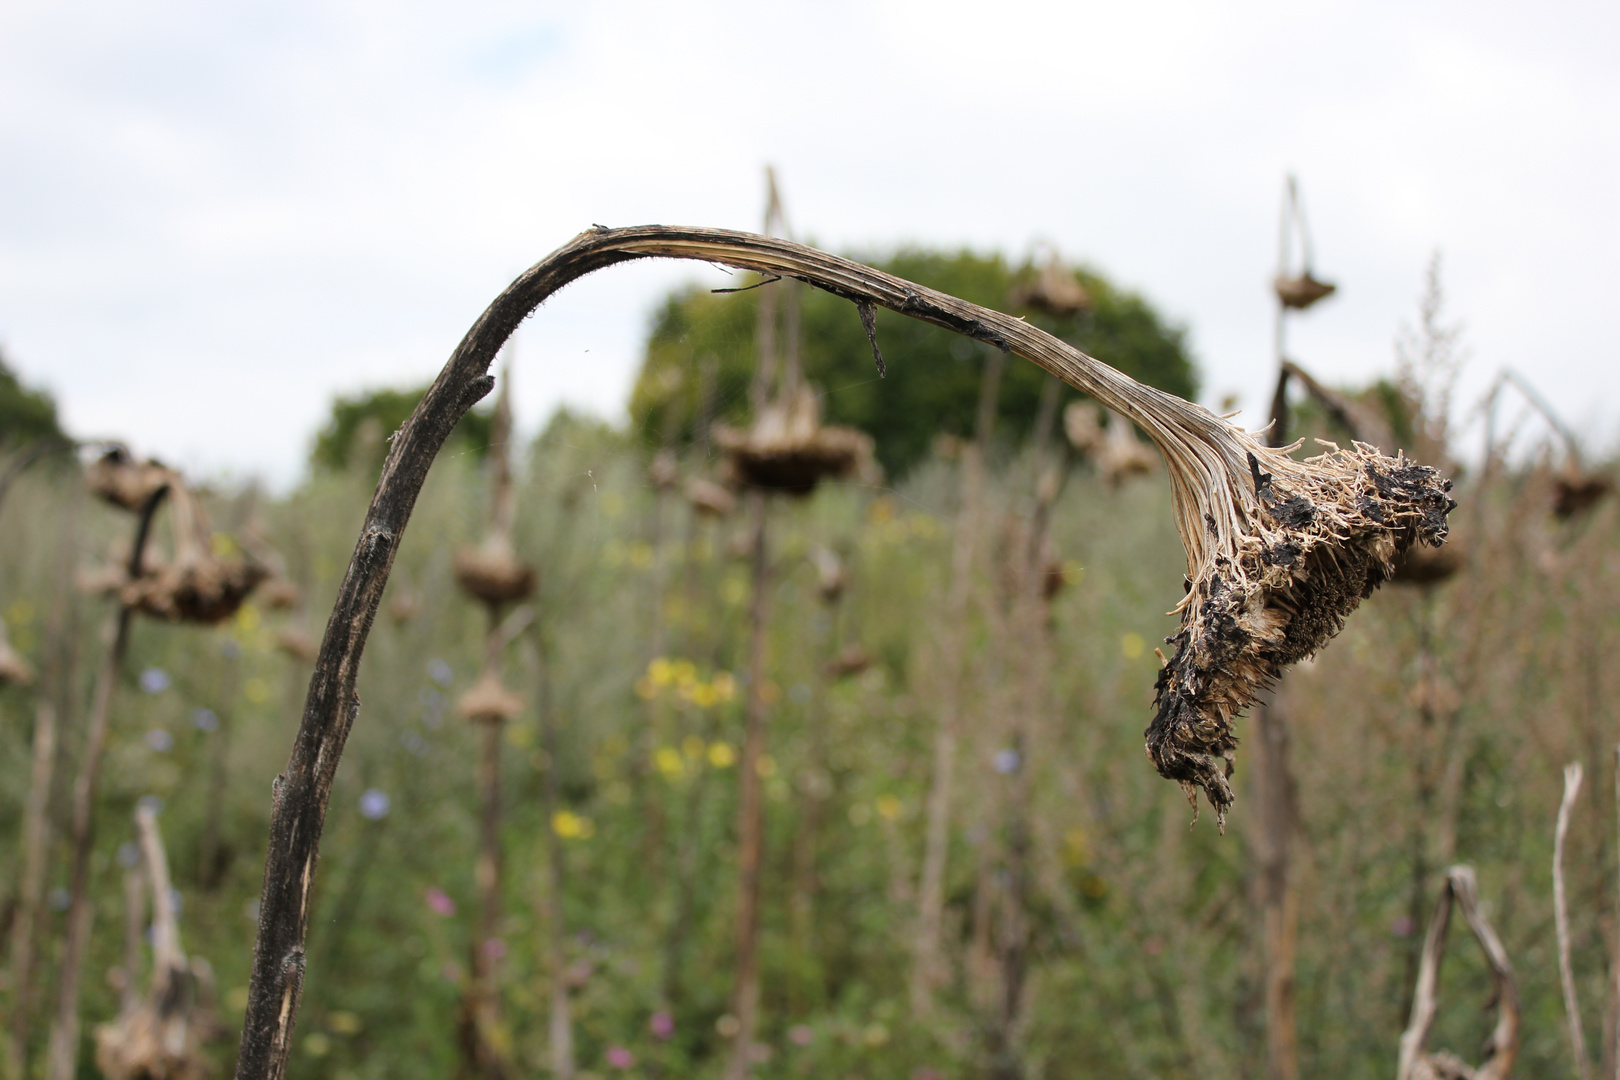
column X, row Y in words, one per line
column 1279, row 552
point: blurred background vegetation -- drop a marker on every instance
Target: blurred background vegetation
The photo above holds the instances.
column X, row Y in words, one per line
column 1432, row 731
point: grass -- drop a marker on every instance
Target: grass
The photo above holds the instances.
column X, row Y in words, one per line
column 1143, row 949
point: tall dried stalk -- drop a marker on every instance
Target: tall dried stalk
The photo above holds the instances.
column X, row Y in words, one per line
column 482, row 1036
column 1276, row 812
column 1030, row 623
column 1279, row 552
column 560, row 1025
column 1276, row 817
column 64, row 1047
column 927, row 969
column 815, row 787
column 493, row 575
column 1502, row 1047
column 1566, row 972
column 751, row 802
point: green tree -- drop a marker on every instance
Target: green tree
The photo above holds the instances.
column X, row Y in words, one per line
column 26, row 415
column 358, row 428
column 933, row 375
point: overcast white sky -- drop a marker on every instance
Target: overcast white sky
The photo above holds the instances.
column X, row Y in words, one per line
column 215, row 216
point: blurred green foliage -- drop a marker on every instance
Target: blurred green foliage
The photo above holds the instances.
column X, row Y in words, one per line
column 932, row 387
column 1142, row 944
column 362, row 424
column 26, row 415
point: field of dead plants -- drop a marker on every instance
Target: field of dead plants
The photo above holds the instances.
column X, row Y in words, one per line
column 690, row 756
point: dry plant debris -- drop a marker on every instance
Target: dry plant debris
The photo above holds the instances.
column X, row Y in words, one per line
column 160, row 1037
column 1502, row 1046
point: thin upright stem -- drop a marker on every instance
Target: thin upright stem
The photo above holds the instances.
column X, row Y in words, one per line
column 560, row 1024
column 926, row 974
column 64, row 1047
column 1566, row 972
column 751, row 809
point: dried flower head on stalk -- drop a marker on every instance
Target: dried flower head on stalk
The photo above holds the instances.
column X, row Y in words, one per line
column 488, row 699
column 199, row 585
column 1279, row 551
column 787, row 448
column 492, row 572
column 121, row 480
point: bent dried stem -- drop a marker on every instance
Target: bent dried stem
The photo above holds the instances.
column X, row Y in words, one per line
column 1278, row 552
column 1503, row 1044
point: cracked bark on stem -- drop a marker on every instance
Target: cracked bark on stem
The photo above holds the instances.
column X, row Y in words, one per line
column 1566, row 973
column 64, row 1047
column 1210, row 470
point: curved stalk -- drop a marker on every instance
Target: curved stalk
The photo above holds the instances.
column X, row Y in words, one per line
column 1210, row 461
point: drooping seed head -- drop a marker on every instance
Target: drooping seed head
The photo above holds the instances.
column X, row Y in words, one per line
column 1277, row 561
